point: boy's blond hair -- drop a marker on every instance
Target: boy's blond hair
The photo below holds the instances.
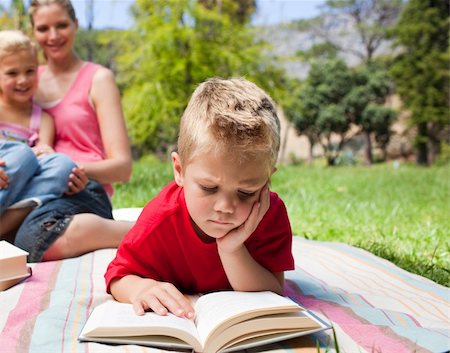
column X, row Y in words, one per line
column 11, row 42
column 232, row 116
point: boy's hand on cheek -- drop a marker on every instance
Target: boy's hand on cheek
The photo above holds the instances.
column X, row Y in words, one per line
column 162, row 298
column 232, row 241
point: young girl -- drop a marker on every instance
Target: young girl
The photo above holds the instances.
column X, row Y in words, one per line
column 31, row 173
column 84, row 101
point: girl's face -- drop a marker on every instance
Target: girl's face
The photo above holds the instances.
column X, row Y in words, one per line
column 55, row 31
column 18, row 77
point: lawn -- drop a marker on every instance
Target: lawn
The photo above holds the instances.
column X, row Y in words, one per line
column 401, row 214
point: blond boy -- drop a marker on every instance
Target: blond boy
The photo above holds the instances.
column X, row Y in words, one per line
column 216, row 226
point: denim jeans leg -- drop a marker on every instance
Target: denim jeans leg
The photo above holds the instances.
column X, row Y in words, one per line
column 47, row 223
column 20, row 166
column 51, row 180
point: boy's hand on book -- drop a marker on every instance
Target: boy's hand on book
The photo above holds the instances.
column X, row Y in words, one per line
column 236, row 237
column 162, row 298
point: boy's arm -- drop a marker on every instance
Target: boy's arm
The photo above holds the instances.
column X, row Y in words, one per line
column 149, row 294
column 243, row 272
column 247, row 275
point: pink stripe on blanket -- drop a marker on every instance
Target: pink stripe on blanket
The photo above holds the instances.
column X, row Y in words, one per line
column 366, row 335
column 33, row 299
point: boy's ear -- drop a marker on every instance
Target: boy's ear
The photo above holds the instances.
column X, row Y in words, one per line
column 177, row 168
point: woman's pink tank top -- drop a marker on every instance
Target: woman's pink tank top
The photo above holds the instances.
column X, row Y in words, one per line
column 77, row 129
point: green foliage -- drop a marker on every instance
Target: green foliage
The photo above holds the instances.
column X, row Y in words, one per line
column 14, row 17
column 333, row 97
column 326, row 85
column 397, row 212
column 378, row 119
column 315, row 110
column 371, row 86
column 325, row 50
column 99, row 46
column 176, row 45
column 421, row 69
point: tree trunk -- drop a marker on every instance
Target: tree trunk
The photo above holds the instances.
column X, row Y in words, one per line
column 434, row 140
column 282, row 154
column 422, row 148
column 310, row 155
column 368, row 148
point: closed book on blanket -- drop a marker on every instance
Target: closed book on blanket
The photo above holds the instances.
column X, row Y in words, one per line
column 13, row 265
column 224, row 322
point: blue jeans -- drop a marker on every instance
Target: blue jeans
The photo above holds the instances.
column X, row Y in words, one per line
column 47, row 223
column 31, row 178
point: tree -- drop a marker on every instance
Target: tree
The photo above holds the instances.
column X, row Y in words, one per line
column 175, row 45
column 333, row 97
column 99, row 46
column 378, row 120
column 316, row 112
column 15, row 17
column 363, row 105
column 304, row 124
column 370, row 20
column 421, row 71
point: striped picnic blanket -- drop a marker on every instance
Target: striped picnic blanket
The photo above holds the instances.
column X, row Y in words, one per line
column 373, row 305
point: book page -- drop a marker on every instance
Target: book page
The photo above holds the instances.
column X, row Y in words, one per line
column 261, row 329
column 114, row 319
column 227, row 308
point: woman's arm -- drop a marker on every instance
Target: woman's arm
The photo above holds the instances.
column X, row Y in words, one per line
column 116, row 167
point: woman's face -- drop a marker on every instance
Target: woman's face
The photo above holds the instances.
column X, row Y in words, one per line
column 55, row 31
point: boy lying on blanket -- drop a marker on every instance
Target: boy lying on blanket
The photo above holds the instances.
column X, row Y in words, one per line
column 217, row 226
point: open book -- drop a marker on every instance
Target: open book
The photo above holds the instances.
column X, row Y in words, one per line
column 224, row 322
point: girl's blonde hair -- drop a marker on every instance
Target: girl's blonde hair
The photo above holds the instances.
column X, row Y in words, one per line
column 13, row 41
column 232, row 116
column 65, row 4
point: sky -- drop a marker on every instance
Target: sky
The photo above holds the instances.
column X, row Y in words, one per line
column 115, row 14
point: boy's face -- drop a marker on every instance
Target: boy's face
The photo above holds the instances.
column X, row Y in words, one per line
column 18, row 79
column 220, row 192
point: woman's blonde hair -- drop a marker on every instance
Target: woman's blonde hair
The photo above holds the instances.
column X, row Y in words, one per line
column 14, row 41
column 230, row 116
column 65, row 4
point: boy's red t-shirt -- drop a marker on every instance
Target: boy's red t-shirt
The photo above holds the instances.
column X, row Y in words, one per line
column 163, row 246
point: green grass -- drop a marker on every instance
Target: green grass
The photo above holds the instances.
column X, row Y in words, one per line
column 401, row 214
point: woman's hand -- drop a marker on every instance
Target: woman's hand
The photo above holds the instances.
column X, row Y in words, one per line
column 42, row 150
column 78, row 181
column 4, row 179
